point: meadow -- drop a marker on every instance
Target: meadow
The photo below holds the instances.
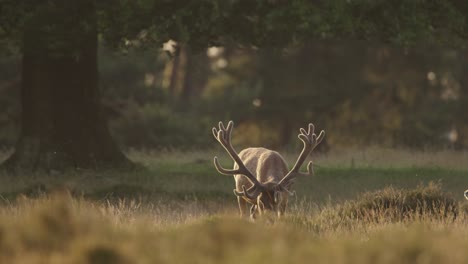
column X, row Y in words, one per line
column 371, row 205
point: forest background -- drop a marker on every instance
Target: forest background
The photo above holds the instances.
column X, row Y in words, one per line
column 362, row 94
column 392, row 74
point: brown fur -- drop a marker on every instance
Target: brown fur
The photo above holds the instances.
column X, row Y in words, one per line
column 262, row 176
column 269, row 168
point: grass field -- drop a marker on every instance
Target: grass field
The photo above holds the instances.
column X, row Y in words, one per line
column 180, row 210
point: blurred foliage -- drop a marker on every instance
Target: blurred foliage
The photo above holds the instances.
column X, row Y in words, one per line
column 265, row 23
column 9, row 100
column 362, row 94
column 369, row 72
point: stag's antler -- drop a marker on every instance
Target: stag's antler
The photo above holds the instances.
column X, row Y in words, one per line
column 310, row 140
column 223, row 135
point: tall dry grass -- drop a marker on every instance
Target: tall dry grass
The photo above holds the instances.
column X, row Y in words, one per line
column 359, row 208
column 389, row 226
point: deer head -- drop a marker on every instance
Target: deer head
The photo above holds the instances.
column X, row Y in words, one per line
column 270, row 187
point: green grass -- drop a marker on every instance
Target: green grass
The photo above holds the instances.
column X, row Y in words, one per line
column 358, row 208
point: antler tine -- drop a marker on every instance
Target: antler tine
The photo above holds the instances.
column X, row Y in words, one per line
column 291, row 193
column 223, row 170
column 320, row 137
column 310, row 168
column 223, row 135
column 245, row 193
column 310, row 140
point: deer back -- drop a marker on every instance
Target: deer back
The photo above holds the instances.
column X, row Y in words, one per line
column 268, row 166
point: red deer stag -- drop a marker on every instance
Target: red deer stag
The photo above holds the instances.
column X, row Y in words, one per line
column 261, row 175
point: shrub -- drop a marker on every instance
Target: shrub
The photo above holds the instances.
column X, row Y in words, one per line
column 394, row 205
column 158, row 126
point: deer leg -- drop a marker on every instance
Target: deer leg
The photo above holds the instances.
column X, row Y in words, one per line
column 242, row 205
column 260, row 205
column 282, row 204
column 281, row 209
column 253, row 208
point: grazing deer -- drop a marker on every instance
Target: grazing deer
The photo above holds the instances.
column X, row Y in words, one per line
column 261, row 175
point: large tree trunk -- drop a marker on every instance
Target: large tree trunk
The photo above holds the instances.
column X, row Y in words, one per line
column 62, row 124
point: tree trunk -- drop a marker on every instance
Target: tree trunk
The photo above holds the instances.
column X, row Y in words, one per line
column 62, row 124
column 174, row 77
column 196, row 75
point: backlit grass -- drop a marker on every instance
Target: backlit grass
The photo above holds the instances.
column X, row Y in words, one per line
column 180, row 210
column 62, row 229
